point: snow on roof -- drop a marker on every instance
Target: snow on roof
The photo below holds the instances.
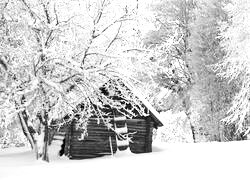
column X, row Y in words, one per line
column 154, row 113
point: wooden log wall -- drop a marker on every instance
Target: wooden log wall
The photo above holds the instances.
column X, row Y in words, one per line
column 97, row 143
column 142, row 139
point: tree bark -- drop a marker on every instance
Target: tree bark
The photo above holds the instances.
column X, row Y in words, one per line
column 193, row 132
column 46, row 142
column 26, row 131
column 187, row 106
column 43, row 138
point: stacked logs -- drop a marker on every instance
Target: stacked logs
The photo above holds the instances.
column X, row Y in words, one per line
column 142, row 139
column 97, row 142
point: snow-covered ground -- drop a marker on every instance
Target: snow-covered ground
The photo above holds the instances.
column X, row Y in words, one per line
column 168, row 161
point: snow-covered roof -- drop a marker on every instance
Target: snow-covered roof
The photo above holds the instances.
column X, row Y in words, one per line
column 156, row 116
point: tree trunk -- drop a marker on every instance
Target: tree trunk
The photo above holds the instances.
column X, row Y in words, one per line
column 39, row 142
column 26, row 131
column 46, row 142
column 193, row 132
column 187, row 105
column 42, row 144
column 43, row 138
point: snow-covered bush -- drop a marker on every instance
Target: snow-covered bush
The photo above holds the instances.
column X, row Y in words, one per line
column 176, row 128
column 12, row 136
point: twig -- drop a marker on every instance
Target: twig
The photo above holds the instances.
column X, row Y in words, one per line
column 136, row 49
column 113, row 40
column 32, row 14
column 57, row 20
column 102, row 54
column 46, row 12
column 68, row 78
column 99, row 15
column 121, row 19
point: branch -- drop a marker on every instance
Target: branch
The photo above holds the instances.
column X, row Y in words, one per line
column 6, row 4
column 3, row 64
column 32, row 14
column 102, row 54
column 86, row 52
column 99, row 15
column 136, row 49
column 94, row 35
column 48, row 38
column 43, row 62
column 68, row 78
column 113, row 40
column 57, row 20
column 163, row 24
column 53, row 85
column 121, row 19
column 74, row 68
column 66, row 21
column 46, row 12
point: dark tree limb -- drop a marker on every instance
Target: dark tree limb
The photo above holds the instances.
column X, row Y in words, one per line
column 3, row 64
column 32, row 13
column 55, row 12
column 99, row 15
column 116, row 35
column 26, row 131
column 46, row 12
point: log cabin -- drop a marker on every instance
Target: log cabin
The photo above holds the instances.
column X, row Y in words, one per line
column 134, row 133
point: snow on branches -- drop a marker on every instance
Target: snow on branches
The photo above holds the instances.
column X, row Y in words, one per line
column 68, row 50
column 60, row 54
column 235, row 65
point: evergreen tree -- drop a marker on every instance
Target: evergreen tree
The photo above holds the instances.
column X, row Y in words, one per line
column 209, row 94
column 173, row 19
column 235, row 65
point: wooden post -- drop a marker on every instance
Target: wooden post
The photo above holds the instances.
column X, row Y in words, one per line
column 70, row 138
column 67, row 141
column 46, row 141
column 110, row 144
column 148, row 145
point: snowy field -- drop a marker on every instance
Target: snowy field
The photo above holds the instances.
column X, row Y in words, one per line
column 168, row 161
